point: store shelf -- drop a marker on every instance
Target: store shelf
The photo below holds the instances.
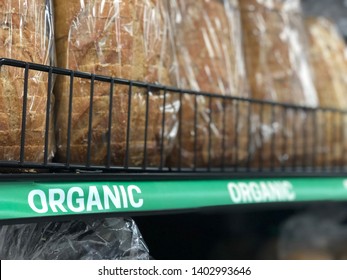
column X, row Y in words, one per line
column 29, row 199
column 45, row 190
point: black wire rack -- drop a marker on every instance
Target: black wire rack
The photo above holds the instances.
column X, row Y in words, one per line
column 275, row 139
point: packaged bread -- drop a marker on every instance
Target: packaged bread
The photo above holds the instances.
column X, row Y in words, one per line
column 26, row 34
column 278, row 70
column 328, row 56
column 123, row 39
column 207, row 40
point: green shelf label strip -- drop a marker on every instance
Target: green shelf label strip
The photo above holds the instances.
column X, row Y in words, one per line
column 34, row 199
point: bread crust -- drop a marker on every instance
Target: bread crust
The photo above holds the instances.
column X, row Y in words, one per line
column 26, row 33
column 207, row 41
column 278, row 70
column 126, row 39
column 329, row 62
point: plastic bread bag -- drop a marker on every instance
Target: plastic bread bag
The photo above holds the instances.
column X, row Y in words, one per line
column 26, row 34
column 278, row 70
column 110, row 238
column 121, row 39
column 207, row 39
column 328, row 56
column 317, row 233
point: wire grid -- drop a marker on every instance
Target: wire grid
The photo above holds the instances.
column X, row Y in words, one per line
column 296, row 139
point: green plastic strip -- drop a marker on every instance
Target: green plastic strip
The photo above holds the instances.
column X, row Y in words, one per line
column 34, row 199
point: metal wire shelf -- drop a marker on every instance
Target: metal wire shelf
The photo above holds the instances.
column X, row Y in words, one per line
column 306, row 139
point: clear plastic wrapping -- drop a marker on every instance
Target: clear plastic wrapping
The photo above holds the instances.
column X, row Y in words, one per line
column 26, row 33
column 278, row 69
column 124, row 39
column 328, row 57
column 329, row 60
column 111, row 238
column 319, row 233
column 207, row 41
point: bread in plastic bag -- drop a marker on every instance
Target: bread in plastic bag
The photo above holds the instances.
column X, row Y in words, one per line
column 123, row 39
column 110, row 238
column 278, row 70
column 26, row 34
column 328, row 56
column 207, row 41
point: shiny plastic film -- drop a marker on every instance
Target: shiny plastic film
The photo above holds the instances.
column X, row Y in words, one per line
column 328, row 55
column 106, row 239
column 122, row 39
column 207, row 43
column 317, row 234
column 26, row 33
column 278, row 70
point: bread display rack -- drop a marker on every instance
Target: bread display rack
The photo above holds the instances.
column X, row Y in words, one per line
column 57, row 189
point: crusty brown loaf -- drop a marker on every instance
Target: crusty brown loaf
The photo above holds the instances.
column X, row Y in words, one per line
column 207, row 41
column 278, row 70
column 25, row 34
column 123, row 39
column 329, row 62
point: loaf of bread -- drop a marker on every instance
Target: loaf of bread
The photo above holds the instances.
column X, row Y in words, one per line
column 208, row 46
column 329, row 61
column 124, row 39
column 26, row 33
column 278, row 70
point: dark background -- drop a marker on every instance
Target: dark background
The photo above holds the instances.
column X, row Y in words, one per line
column 335, row 10
column 257, row 232
column 225, row 234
